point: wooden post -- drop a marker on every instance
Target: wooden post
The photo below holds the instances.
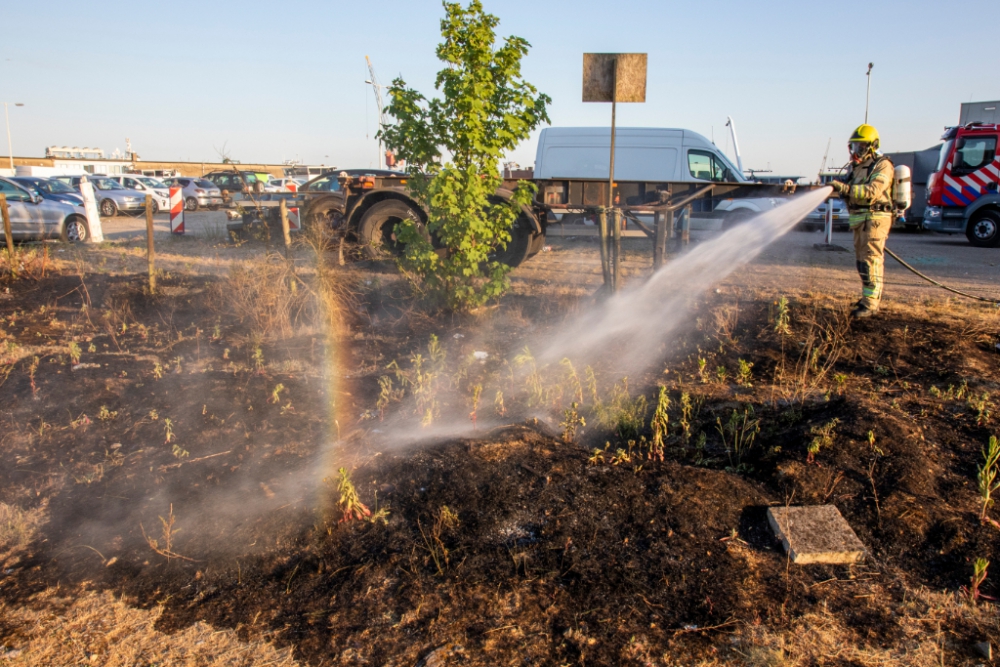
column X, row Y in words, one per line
column 150, row 250
column 686, row 225
column 659, row 244
column 602, row 221
column 283, row 210
column 8, row 234
column 616, row 220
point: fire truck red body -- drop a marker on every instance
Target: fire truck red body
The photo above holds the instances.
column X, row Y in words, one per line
column 963, row 193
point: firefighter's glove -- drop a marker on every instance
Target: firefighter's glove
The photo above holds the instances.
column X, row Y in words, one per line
column 838, row 187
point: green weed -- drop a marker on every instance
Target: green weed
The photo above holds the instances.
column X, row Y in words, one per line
column 822, row 438
column 738, row 434
column 661, row 419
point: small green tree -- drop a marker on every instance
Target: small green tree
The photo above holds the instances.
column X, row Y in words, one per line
column 453, row 146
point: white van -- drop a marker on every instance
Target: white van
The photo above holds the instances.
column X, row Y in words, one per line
column 648, row 154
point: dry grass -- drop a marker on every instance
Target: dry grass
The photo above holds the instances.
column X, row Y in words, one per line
column 99, row 629
column 266, row 295
column 925, row 619
column 17, row 528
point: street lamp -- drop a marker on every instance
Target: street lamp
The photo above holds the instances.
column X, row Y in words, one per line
column 10, row 150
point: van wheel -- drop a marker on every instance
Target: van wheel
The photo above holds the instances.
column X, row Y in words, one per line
column 190, row 204
column 984, row 229
column 109, row 208
column 75, row 230
column 737, row 217
column 377, row 230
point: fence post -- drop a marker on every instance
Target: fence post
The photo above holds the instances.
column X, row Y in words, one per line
column 150, row 250
column 602, row 221
column 686, row 225
column 8, row 234
column 283, row 210
column 660, row 241
column 616, row 220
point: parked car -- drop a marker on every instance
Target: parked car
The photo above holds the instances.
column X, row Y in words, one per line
column 817, row 218
column 232, row 181
column 197, row 192
column 34, row 217
column 48, row 188
column 147, row 185
column 283, row 185
column 111, row 197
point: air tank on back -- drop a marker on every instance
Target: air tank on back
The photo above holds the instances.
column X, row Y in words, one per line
column 901, row 196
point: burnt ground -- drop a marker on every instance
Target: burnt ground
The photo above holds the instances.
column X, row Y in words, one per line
column 505, row 545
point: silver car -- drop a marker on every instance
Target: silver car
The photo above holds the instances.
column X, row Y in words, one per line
column 32, row 217
column 147, row 185
column 111, row 196
column 817, row 218
column 197, row 192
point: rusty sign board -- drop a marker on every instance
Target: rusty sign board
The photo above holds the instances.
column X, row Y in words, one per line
column 614, row 77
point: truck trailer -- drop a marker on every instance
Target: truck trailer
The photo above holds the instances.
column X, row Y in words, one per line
column 658, row 171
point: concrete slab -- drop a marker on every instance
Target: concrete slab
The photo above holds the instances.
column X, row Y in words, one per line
column 815, row 534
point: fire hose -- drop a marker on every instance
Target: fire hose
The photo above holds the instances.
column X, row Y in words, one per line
column 995, row 302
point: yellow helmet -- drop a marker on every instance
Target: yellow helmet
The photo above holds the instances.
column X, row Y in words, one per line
column 865, row 134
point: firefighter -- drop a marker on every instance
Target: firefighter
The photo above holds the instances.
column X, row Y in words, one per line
column 868, row 193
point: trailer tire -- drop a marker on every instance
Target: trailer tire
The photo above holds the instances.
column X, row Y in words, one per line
column 519, row 247
column 377, row 229
column 324, row 213
column 537, row 243
column 983, row 230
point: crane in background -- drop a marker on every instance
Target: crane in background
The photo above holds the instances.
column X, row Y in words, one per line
column 382, row 120
column 822, row 167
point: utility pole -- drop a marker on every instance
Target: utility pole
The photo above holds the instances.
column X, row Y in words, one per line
column 10, row 150
column 732, row 128
column 869, row 91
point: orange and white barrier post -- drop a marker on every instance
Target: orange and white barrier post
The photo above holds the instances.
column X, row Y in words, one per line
column 176, row 211
column 293, row 219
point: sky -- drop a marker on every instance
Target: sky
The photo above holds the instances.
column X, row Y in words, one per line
column 271, row 81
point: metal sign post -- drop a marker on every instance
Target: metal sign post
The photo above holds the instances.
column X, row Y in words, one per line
column 613, row 77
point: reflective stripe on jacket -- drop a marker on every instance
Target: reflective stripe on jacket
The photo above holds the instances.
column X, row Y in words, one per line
column 869, row 193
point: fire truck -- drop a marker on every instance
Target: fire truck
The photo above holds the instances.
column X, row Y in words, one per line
column 962, row 193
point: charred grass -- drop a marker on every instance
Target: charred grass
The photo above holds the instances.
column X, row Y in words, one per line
column 505, row 545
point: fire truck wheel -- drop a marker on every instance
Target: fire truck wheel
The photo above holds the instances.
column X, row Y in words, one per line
column 984, row 229
column 377, row 229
